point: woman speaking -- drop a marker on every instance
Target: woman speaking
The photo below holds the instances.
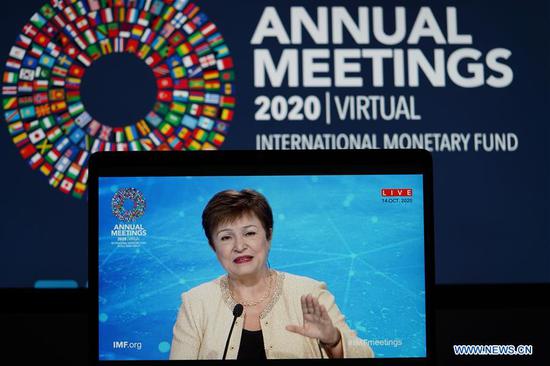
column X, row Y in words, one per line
column 285, row 315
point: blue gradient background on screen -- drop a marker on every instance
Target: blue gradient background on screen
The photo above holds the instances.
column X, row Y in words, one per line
column 334, row 229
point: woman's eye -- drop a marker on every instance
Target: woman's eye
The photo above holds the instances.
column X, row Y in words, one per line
column 224, row 238
column 250, row 233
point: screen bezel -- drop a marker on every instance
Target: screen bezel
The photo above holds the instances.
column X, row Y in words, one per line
column 260, row 163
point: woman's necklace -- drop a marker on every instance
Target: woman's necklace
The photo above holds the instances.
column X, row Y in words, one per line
column 248, row 303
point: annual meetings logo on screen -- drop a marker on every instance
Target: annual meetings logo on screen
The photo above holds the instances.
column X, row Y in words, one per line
column 121, row 197
column 46, row 117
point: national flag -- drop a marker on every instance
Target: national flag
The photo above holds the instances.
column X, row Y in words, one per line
column 143, row 18
column 164, row 96
column 184, row 49
column 215, row 39
column 191, row 10
column 210, row 111
column 70, row 13
column 90, row 36
column 132, row 15
column 24, row 87
column 221, row 51
column 203, row 49
column 25, row 100
column 66, row 185
column 212, row 85
column 82, row 158
column 178, row 72
column 36, row 50
column 207, row 61
column 53, row 155
column 73, row 170
column 105, row 132
column 161, row 70
column 195, row 38
column 172, row 118
column 225, row 63
column 26, row 74
column 77, row 135
column 175, row 143
column 10, row 77
column 40, row 98
column 79, row 190
column 17, row 52
column 153, row 60
column 23, row 41
column 105, row 46
column 46, row 169
column 193, row 145
column 106, row 15
column 9, row 90
column 196, row 97
column 27, row 151
column 73, row 83
column 46, row 61
column 143, row 128
column 58, row 106
column 59, row 71
column 208, row 29
column 196, row 84
column 29, row 30
column 163, row 83
column 199, row 135
column 20, row 140
column 54, row 134
column 166, row 129
column 35, row 161
column 153, row 118
column 38, row 20
column 131, row 133
column 189, row 122
column 226, row 114
column 206, row 123
column 216, row 138
column 143, row 50
column 147, row 144
column 181, row 95
column 76, row 71
column 55, row 179
column 56, row 94
column 119, row 134
column 178, row 107
column 184, row 133
column 227, row 102
column 27, row 112
column 9, row 103
column 62, row 144
column 36, row 135
column 15, row 128
column 228, row 89
column 85, row 60
column 179, row 20
column 47, row 122
column 13, row 64
column 83, row 119
column 42, row 39
column 167, row 30
column 73, row 96
column 47, row 11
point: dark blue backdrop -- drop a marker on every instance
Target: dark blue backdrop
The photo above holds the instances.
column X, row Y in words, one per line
column 491, row 208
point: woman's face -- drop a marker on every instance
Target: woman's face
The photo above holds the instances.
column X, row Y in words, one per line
column 242, row 246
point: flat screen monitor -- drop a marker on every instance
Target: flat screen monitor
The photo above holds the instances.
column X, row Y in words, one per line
column 330, row 254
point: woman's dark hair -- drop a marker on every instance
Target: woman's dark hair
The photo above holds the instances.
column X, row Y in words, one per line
column 227, row 206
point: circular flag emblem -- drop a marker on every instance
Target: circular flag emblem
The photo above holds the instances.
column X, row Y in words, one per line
column 123, row 195
column 42, row 79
